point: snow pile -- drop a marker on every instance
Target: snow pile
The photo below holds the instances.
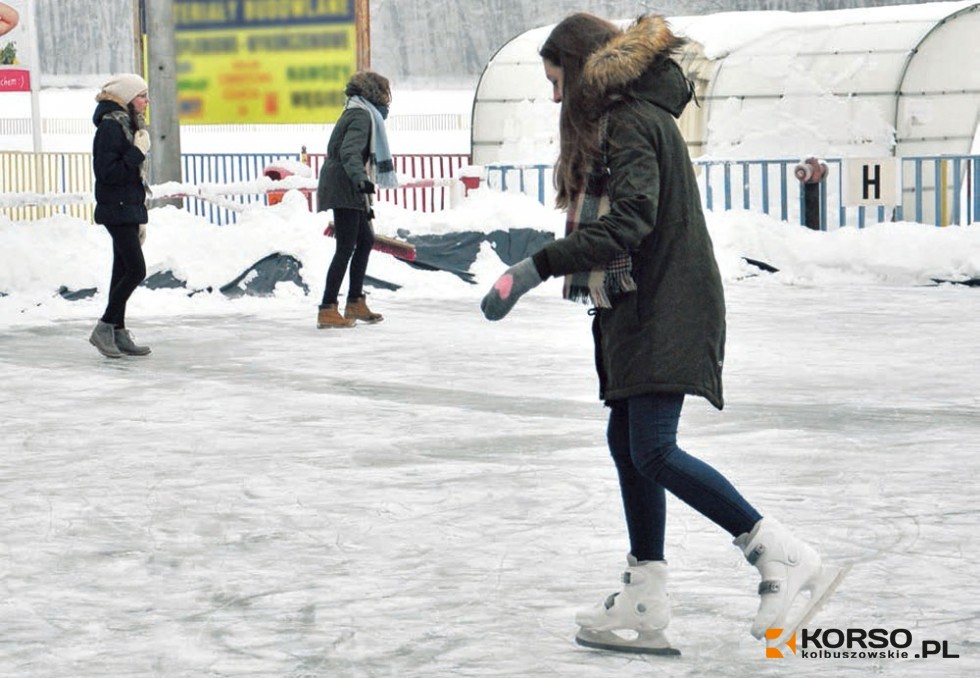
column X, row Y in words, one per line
column 39, row 258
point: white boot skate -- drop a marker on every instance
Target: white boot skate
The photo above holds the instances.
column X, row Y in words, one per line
column 788, row 567
column 634, row 619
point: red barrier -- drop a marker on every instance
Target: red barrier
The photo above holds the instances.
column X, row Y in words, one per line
column 416, row 196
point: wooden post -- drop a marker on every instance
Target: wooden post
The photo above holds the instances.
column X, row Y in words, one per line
column 161, row 47
column 362, row 28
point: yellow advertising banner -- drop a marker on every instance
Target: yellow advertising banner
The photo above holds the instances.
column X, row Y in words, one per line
column 263, row 61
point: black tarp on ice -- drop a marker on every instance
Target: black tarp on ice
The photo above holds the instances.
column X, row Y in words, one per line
column 261, row 278
column 456, row 252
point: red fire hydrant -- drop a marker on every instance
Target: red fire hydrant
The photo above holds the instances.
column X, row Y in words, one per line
column 811, row 172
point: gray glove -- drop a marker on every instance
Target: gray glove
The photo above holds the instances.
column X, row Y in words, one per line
column 141, row 140
column 510, row 287
column 142, row 233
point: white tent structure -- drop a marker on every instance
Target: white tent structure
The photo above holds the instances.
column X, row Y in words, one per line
column 884, row 81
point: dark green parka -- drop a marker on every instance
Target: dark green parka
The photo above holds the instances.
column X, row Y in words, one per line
column 347, row 153
column 669, row 335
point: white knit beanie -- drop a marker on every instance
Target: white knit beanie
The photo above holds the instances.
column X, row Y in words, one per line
column 125, row 86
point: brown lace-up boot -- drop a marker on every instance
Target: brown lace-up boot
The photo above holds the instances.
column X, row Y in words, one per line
column 357, row 309
column 328, row 317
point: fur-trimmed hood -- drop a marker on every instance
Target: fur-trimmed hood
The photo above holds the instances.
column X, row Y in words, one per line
column 637, row 64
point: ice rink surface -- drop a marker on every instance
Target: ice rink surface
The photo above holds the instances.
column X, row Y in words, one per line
column 432, row 496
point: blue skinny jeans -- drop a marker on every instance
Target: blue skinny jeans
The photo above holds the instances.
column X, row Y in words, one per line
column 642, row 438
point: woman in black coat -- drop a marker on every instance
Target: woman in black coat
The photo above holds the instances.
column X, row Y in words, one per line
column 358, row 159
column 119, row 153
column 636, row 244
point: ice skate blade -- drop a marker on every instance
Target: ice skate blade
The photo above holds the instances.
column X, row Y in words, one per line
column 820, row 592
column 647, row 642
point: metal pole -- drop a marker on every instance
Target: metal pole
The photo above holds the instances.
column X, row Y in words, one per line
column 34, row 74
column 161, row 47
column 362, row 28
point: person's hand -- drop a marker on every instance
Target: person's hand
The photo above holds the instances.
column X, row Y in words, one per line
column 142, row 234
column 510, row 287
column 141, row 140
column 365, row 186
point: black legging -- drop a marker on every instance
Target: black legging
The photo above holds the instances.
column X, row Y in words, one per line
column 355, row 237
column 128, row 271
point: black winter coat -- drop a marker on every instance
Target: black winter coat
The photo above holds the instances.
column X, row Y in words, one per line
column 347, row 154
column 120, row 197
column 669, row 335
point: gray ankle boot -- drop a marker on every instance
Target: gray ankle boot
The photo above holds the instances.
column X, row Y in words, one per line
column 103, row 338
column 125, row 343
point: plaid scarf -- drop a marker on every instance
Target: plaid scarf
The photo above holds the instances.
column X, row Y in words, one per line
column 381, row 165
column 600, row 285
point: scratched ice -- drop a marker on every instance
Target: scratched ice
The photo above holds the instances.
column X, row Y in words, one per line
column 432, row 496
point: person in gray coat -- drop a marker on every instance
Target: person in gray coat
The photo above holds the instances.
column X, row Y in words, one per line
column 358, row 160
column 638, row 249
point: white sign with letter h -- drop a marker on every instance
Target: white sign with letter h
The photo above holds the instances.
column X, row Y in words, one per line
column 870, row 182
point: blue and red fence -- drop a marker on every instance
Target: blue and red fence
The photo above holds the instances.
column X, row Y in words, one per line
column 940, row 190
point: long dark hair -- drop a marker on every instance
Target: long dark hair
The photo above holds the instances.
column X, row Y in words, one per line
column 137, row 121
column 569, row 46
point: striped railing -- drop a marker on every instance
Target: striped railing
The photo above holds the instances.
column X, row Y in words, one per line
column 937, row 190
column 770, row 187
column 418, row 167
column 47, row 173
column 940, row 190
column 226, row 168
column 71, row 173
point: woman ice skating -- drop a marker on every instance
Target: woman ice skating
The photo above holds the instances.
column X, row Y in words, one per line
column 637, row 248
column 358, row 160
column 119, row 154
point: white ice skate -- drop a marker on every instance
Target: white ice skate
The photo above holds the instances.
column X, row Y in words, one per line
column 788, row 567
column 634, row 619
